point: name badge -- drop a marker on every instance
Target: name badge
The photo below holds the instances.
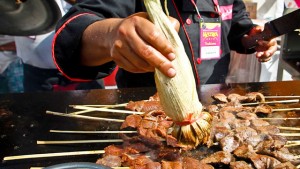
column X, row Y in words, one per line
column 210, row 40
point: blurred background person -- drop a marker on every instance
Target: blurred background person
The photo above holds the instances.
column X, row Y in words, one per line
column 11, row 67
column 40, row 72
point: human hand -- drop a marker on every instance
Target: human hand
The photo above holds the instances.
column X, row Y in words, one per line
column 264, row 49
column 139, row 46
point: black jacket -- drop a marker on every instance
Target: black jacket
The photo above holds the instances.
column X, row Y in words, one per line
column 66, row 44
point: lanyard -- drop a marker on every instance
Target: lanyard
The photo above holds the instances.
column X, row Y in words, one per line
column 216, row 6
column 197, row 10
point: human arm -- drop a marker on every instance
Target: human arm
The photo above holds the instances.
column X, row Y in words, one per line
column 82, row 54
column 134, row 43
column 243, row 28
column 264, row 49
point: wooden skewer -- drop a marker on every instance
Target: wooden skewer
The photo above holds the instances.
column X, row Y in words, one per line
column 284, row 97
column 74, row 153
column 91, row 132
column 286, row 109
column 289, row 128
column 79, row 141
column 104, row 110
column 280, row 118
column 271, row 102
column 293, row 142
column 292, row 145
column 81, row 112
column 112, row 167
column 82, row 141
column 290, row 134
column 103, row 105
column 84, row 117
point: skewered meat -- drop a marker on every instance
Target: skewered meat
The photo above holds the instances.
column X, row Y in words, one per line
column 236, row 97
column 171, row 164
column 265, row 109
column 270, row 129
column 229, row 143
column 244, row 151
column 220, row 97
column 263, row 161
column 249, row 97
column 255, row 96
column 110, row 161
column 212, row 109
column 238, row 139
column 240, row 165
column 286, row 165
column 191, row 163
column 259, row 123
column 246, row 115
column 144, row 105
column 223, row 157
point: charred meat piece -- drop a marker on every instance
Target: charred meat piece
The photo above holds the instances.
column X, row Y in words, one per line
column 236, row 97
column 135, row 148
column 246, row 115
column 191, row 163
column 144, row 106
column 264, row 109
column 237, row 123
column 259, row 123
column 240, row 165
column 171, row 164
column 243, row 133
column 244, row 151
column 255, row 96
column 172, row 141
column 221, row 132
column 269, row 145
column 263, row 161
column 213, row 109
column 169, row 154
column 256, row 139
column 220, row 97
column 153, row 165
column 284, row 155
column 132, row 121
column 287, row 165
column 227, row 114
column 229, row 143
column 137, row 161
column 151, row 143
column 110, row 161
column 115, row 150
column 270, row 129
column 222, row 157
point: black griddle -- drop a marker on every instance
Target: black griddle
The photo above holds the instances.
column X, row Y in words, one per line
column 23, row 118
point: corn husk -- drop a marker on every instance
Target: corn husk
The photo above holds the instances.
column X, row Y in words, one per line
column 178, row 95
